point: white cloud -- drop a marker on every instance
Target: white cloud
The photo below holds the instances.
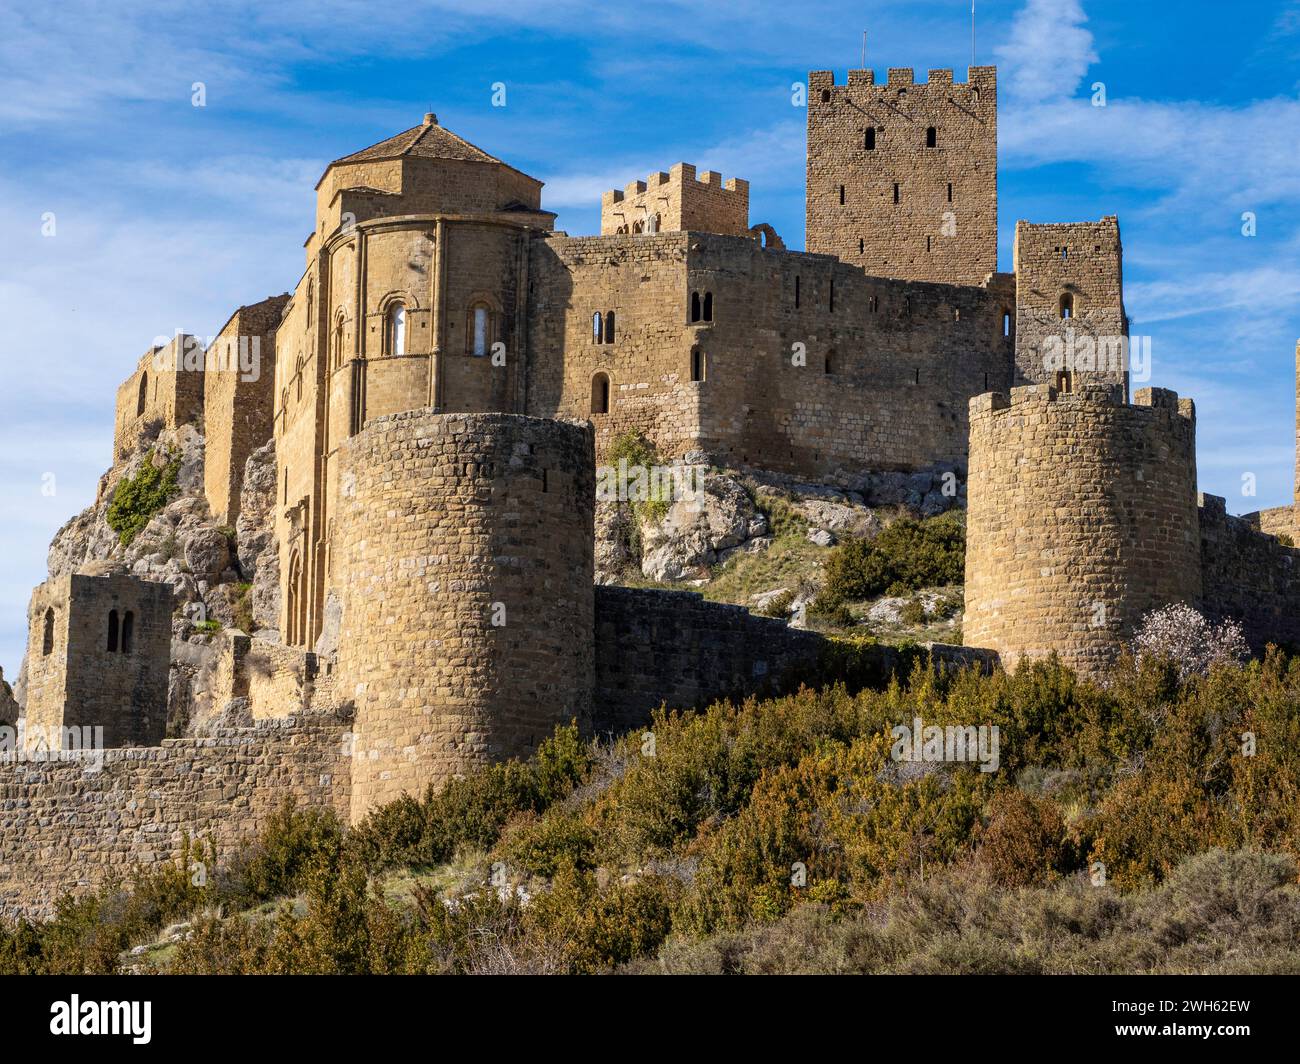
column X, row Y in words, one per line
column 1048, row 52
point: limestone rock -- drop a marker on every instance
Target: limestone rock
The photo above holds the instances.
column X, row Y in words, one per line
column 255, row 535
column 687, row 542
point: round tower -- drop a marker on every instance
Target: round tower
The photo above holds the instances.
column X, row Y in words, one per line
column 464, row 569
column 1081, row 517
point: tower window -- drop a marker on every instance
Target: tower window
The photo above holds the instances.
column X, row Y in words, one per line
column 708, row 306
column 395, row 322
column 609, row 327
column 862, row 245
column 128, row 631
column 895, row 191
column 697, row 364
column 695, row 306
column 144, row 393
column 1064, row 381
column 830, row 362
column 598, row 328
column 600, row 394
column 480, row 321
column 869, row 138
column 831, row 299
column 826, row 95
column 931, row 137
column 47, row 638
column 796, row 292
column 1006, row 323
column 338, row 341
column 949, row 191
column 112, row 631
column 1067, row 305
column 841, row 195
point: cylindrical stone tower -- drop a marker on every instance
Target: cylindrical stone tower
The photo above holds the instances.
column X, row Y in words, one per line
column 1081, row 517
column 465, row 569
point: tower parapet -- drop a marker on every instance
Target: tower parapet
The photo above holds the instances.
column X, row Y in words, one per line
column 902, row 177
column 1082, row 516
column 678, row 201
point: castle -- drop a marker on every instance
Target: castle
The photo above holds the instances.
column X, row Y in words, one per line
column 449, row 370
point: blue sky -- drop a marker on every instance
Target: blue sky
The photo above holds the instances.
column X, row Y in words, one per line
column 168, row 216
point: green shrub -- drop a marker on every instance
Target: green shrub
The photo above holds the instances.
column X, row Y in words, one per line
column 136, row 499
column 906, row 556
column 640, row 453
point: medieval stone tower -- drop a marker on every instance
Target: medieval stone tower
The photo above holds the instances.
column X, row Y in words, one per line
column 465, row 566
column 903, row 177
column 99, row 649
column 1082, row 516
column 1070, row 322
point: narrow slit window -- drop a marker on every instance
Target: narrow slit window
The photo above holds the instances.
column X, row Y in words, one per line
column 695, row 306
column 598, row 328
column 796, row 292
column 481, row 322
column 47, row 636
column 397, row 329
column 841, row 195
column 609, row 327
column 112, row 631
column 895, row 191
column 708, row 306
column 697, row 364
column 869, row 138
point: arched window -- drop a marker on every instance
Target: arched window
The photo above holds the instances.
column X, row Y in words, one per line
column 652, row 224
column 598, row 328
column 708, row 306
column 284, row 403
column 480, row 329
column 600, row 394
column 47, row 639
column 286, row 485
column 869, row 138
column 298, row 375
column 311, row 303
column 1067, row 305
column 128, row 631
column 1064, row 381
column 144, row 393
column 1006, row 324
column 338, row 340
column 695, row 306
column 931, row 137
column 112, row 631
column 396, row 329
column 291, row 613
column 698, row 366
column 609, row 327
column 638, row 227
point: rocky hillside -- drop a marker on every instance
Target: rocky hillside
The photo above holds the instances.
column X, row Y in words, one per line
column 150, row 518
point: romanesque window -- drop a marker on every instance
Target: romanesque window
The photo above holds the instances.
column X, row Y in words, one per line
column 284, row 404
column 480, row 329
column 869, row 138
column 830, row 361
column 286, row 485
column 708, row 306
column 873, row 304
column 598, row 328
column 1067, row 305
column 47, row 639
column 697, row 364
column 1064, row 381
column 298, row 375
column 609, row 327
column 695, row 306
column 112, row 631
column 128, row 631
column 600, row 394
column 144, row 393
column 1006, row 324
column 652, row 224
column 395, row 330
column 291, row 613
column 638, row 227
column 931, row 137
column 338, row 340
column 311, row 303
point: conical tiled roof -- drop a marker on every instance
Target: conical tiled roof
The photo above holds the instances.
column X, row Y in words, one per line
column 427, row 140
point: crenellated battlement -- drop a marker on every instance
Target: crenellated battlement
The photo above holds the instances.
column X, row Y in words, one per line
column 678, row 200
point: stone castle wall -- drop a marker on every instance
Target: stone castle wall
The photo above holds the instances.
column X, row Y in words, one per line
column 238, row 402
column 164, row 392
column 881, row 198
column 884, row 372
column 464, row 567
column 1081, row 262
column 1081, row 517
column 67, row 828
column 1249, row 576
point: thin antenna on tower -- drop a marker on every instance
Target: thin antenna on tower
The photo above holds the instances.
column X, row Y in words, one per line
column 972, row 32
column 864, row 51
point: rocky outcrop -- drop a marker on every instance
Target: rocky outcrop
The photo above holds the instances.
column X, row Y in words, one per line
column 697, row 532
column 259, row 559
